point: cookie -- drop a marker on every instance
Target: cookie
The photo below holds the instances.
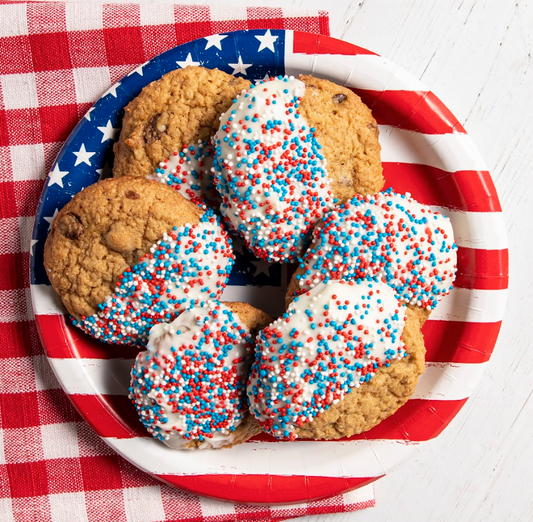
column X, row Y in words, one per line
column 285, row 153
column 349, row 136
column 389, row 389
column 332, row 342
column 189, row 388
column 177, row 114
column 127, row 253
column 387, row 235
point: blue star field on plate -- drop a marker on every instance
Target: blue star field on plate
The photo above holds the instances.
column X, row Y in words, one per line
column 87, row 155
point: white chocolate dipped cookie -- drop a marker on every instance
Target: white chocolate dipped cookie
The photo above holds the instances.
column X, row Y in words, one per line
column 329, row 345
column 387, row 235
column 271, row 169
column 189, row 387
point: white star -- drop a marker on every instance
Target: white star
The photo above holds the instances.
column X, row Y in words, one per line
column 82, row 156
column 56, row 176
column 33, row 242
column 112, row 90
column 261, row 267
column 88, row 114
column 267, row 41
column 214, row 41
column 240, row 67
column 108, row 131
column 188, row 61
column 50, row 219
column 139, row 70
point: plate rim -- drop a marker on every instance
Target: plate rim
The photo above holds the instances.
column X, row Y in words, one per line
column 467, row 143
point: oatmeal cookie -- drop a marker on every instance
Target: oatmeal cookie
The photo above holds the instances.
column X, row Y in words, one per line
column 365, row 407
column 181, row 108
column 189, row 388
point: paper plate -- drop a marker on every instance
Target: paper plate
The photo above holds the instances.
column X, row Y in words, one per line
column 426, row 152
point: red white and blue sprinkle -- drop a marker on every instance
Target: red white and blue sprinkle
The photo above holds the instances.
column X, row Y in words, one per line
column 189, row 171
column 191, row 383
column 390, row 236
column 270, row 170
column 189, row 266
column 331, row 340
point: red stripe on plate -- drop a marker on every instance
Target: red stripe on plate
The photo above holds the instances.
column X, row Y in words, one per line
column 417, row 420
column 419, row 111
column 482, row 269
column 110, row 415
column 62, row 340
column 463, row 190
column 54, row 336
column 267, row 489
column 458, row 342
column 307, row 43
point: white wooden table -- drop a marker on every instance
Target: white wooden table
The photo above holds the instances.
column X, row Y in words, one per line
column 476, row 56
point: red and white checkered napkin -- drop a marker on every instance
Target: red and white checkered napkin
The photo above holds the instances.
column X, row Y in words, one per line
column 55, row 60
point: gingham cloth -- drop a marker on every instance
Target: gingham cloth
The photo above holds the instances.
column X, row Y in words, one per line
column 55, row 60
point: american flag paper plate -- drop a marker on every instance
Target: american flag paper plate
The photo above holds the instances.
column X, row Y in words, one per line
column 425, row 151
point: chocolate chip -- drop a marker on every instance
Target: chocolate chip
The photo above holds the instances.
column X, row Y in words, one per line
column 132, row 195
column 339, row 98
column 71, row 226
column 151, row 131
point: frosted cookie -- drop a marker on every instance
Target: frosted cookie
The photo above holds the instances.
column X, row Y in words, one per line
column 315, row 366
column 166, row 130
column 127, row 253
column 275, row 177
column 189, row 387
column 386, row 235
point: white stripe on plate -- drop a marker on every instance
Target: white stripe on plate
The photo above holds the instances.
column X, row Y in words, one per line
column 45, row 300
column 471, row 305
column 483, row 230
column 449, row 381
column 449, row 152
column 93, row 376
column 270, row 299
column 362, row 71
column 339, row 459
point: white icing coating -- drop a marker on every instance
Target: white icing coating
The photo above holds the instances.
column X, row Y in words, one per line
column 190, row 383
column 331, row 340
column 189, row 171
column 270, row 171
column 390, row 236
